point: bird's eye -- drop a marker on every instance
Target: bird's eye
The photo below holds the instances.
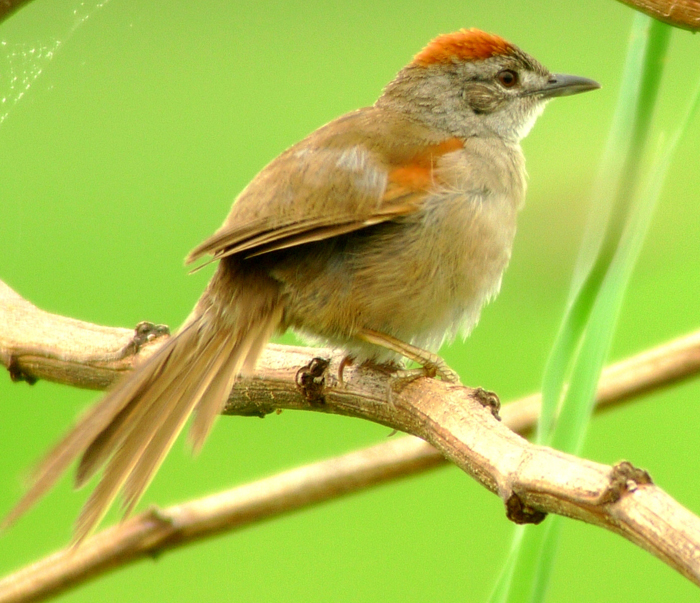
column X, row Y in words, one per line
column 507, row 78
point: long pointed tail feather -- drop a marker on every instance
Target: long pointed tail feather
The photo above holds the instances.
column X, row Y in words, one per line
column 128, row 434
column 104, row 445
column 241, row 361
column 166, row 409
column 90, row 425
column 223, row 368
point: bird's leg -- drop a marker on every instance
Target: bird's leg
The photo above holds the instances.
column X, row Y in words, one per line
column 432, row 363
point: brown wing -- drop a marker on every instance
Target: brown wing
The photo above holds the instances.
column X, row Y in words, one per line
column 365, row 168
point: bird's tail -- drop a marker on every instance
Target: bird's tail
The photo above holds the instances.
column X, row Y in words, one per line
column 129, row 432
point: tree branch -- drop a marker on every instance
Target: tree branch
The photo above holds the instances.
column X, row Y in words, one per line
column 7, row 7
column 679, row 13
column 531, row 480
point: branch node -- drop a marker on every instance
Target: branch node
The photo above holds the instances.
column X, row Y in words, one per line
column 17, row 374
column 624, row 477
column 311, row 380
column 157, row 514
column 169, row 526
column 144, row 333
column 438, row 411
column 260, row 411
column 488, row 399
column 521, row 513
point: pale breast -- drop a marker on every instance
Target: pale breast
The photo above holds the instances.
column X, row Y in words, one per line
column 421, row 278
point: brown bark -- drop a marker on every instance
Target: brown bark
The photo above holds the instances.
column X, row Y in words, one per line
column 679, row 13
column 531, row 480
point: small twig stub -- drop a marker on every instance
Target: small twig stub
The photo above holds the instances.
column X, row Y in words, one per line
column 311, row 380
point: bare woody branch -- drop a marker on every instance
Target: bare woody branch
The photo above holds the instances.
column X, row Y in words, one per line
column 531, row 480
column 154, row 532
column 35, row 344
column 679, row 13
column 7, row 7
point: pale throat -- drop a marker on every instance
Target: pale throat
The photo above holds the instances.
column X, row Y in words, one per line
column 529, row 122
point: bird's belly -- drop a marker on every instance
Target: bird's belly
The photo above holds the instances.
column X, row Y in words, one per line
column 420, row 279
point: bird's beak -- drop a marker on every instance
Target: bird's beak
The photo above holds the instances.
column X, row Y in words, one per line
column 560, row 84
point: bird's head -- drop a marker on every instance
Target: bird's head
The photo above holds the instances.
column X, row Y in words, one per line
column 472, row 83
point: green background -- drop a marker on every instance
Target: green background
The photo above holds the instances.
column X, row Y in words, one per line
column 127, row 149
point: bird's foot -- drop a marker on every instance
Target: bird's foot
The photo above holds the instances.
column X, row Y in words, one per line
column 433, row 365
column 311, row 380
column 346, row 361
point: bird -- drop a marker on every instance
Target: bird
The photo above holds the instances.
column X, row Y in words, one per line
column 383, row 233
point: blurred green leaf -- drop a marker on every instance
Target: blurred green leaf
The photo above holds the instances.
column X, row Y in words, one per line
column 613, row 193
column 571, row 427
column 621, row 214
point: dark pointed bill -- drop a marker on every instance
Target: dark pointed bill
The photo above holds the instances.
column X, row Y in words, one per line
column 560, row 84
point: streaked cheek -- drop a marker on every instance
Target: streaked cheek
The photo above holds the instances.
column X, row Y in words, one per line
column 481, row 99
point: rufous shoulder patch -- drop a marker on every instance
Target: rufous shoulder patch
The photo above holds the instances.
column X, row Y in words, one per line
column 463, row 45
column 417, row 173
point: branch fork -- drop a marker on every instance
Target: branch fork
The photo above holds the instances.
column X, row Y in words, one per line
column 459, row 423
